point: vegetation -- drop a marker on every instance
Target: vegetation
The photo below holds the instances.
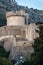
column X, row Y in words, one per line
column 4, row 56
column 37, row 56
column 2, row 20
column 3, row 53
column 4, row 61
column 27, row 61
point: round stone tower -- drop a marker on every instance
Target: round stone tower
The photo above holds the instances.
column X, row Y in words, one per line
column 17, row 18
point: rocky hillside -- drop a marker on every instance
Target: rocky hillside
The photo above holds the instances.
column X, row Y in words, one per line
column 5, row 6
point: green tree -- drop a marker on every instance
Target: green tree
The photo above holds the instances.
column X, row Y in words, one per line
column 3, row 52
column 37, row 56
column 27, row 61
column 4, row 56
column 4, row 61
column 2, row 20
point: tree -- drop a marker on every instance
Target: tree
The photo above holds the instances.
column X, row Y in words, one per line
column 3, row 52
column 4, row 61
column 37, row 56
column 2, row 20
column 4, row 56
column 27, row 61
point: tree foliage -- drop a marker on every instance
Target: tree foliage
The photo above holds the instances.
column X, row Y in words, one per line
column 2, row 20
column 4, row 56
column 37, row 56
column 4, row 61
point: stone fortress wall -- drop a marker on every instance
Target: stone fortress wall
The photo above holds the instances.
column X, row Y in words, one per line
column 23, row 32
column 11, row 30
column 17, row 40
column 17, row 36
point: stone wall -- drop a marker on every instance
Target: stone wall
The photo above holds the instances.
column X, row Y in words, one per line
column 17, row 49
column 17, row 40
column 12, row 30
column 25, row 50
column 20, row 32
column 16, row 18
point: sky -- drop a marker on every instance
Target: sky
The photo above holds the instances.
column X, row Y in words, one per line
column 36, row 4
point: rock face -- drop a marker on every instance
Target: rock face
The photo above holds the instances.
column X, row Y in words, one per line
column 9, row 5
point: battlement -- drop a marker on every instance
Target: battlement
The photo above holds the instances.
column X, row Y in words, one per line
column 17, row 13
column 17, row 18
